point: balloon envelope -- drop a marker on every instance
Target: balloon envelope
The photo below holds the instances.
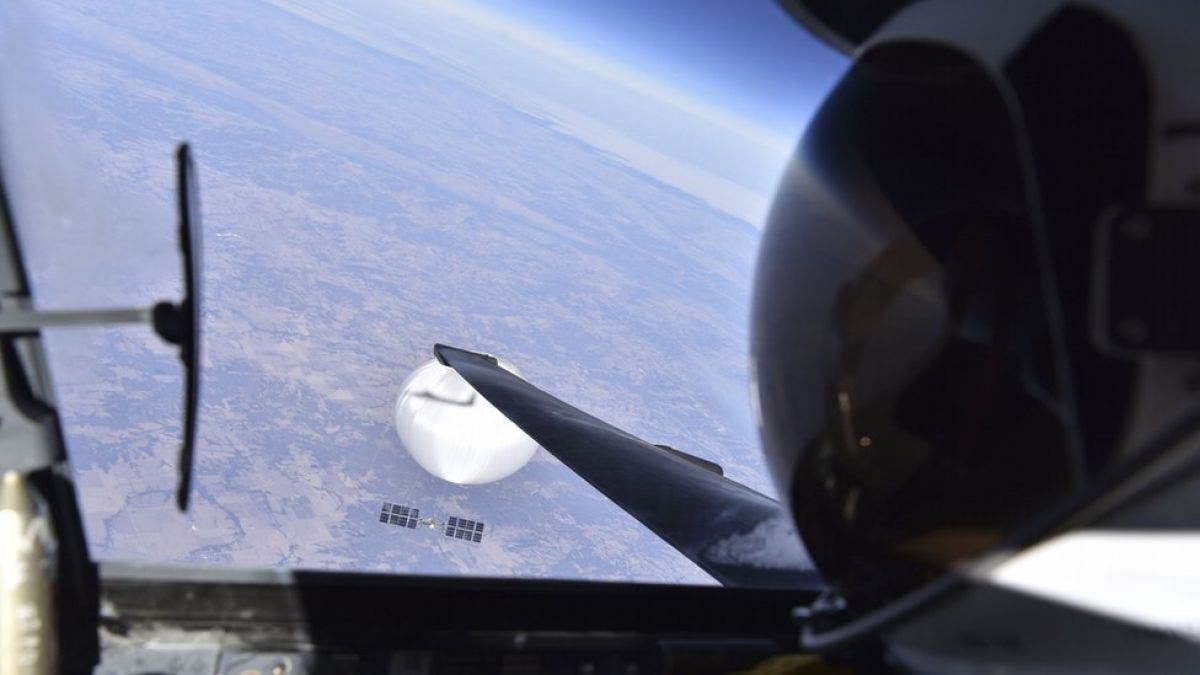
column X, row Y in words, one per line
column 453, row 432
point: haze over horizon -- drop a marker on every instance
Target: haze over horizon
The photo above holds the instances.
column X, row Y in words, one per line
column 719, row 146
column 748, row 58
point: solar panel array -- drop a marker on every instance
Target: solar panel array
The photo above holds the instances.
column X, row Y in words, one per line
column 467, row 530
column 403, row 516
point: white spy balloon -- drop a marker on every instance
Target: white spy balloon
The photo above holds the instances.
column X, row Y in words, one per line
column 453, row 432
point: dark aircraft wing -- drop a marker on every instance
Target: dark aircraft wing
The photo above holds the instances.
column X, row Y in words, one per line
column 740, row 537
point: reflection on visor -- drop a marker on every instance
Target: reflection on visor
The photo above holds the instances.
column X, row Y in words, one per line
column 929, row 423
column 930, row 457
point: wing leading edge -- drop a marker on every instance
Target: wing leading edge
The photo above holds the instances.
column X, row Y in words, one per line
column 737, row 535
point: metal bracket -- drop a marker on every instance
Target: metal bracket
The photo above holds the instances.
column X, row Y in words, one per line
column 17, row 322
column 1145, row 281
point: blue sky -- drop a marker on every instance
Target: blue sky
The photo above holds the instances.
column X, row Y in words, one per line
column 745, row 56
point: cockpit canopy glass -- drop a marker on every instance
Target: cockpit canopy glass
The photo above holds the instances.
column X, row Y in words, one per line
column 577, row 188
